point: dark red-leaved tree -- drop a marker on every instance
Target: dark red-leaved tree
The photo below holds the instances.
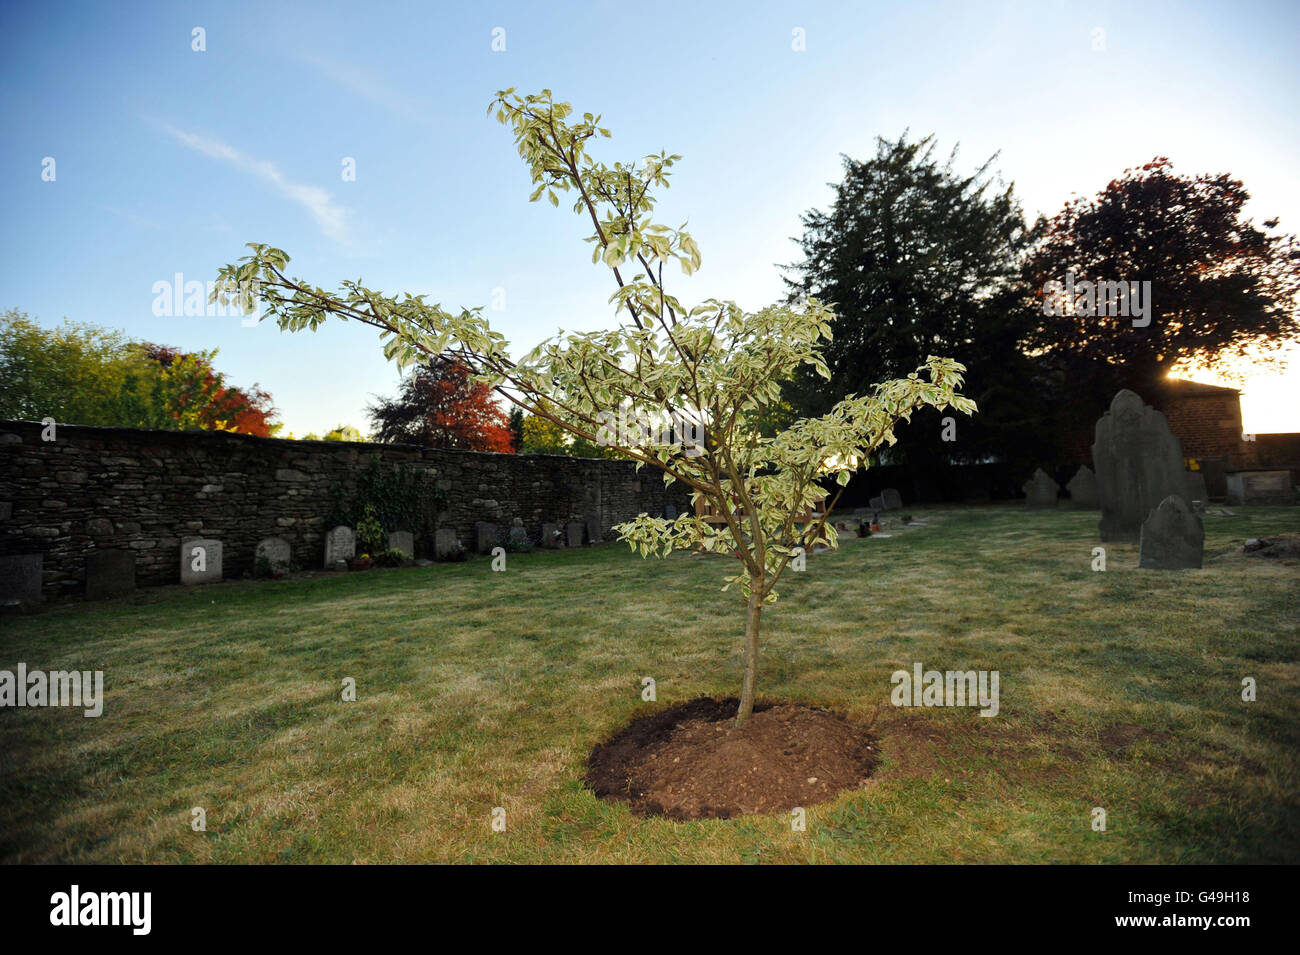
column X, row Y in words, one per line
column 1219, row 284
column 439, row 407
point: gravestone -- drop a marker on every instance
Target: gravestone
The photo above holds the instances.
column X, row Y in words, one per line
column 200, row 561
column 1083, row 488
column 486, row 536
column 109, row 573
column 20, row 579
column 1040, row 490
column 518, row 536
column 1196, row 489
column 877, row 504
column 340, row 545
column 444, row 543
column 573, row 534
column 551, row 535
column 670, row 513
column 594, row 533
column 1259, row 487
column 1172, row 538
column 1139, row 463
column 276, row 551
column 403, row 541
column 891, row 499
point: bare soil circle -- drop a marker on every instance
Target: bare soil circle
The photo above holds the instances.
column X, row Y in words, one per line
column 692, row 762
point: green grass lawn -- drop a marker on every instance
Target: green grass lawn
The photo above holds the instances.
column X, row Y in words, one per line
column 478, row 689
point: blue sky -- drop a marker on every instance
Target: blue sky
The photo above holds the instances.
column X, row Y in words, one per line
column 168, row 160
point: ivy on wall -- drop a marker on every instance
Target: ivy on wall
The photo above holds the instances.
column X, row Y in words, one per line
column 400, row 498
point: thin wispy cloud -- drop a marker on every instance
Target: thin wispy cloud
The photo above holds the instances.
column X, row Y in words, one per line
column 367, row 86
column 134, row 218
column 330, row 217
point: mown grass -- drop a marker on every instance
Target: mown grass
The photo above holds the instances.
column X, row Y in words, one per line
column 478, row 689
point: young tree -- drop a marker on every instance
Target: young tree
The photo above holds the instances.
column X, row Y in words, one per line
column 440, row 407
column 681, row 389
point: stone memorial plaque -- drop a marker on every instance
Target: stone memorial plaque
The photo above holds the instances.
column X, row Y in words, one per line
column 1083, row 488
column 340, row 545
column 1172, row 538
column 276, row 551
column 20, row 579
column 445, row 542
column 109, row 573
column 200, row 561
column 1040, row 490
column 486, row 536
column 403, row 541
column 1139, row 463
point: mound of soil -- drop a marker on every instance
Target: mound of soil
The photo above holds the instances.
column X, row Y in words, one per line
column 691, row 762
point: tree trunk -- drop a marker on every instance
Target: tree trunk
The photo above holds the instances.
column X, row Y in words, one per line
column 752, row 614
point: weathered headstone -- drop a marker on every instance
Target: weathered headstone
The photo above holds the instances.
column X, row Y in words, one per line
column 594, row 534
column 550, row 535
column 276, row 552
column 1040, row 490
column 403, row 541
column 445, row 542
column 1196, row 490
column 891, row 499
column 573, row 534
column 20, row 579
column 1083, row 488
column 109, row 573
column 200, row 560
column 877, row 503
column 518, row 536
column 340, row 545
column 1259, row 487
column 486, row 536
column 1172, row 538
column 1139, row 463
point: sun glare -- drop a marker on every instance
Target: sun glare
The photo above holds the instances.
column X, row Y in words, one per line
column 1270, row 398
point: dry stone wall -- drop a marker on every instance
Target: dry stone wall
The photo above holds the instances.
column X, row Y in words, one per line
column 117, row 489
